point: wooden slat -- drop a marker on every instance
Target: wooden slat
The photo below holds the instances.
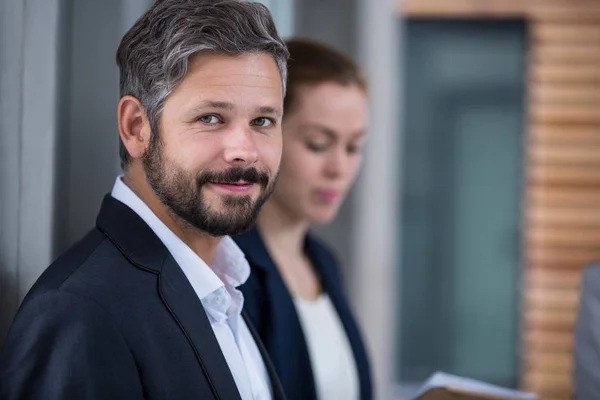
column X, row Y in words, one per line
column 536, row 10
column 561, row 33
column 564, row 114
column 567, row 54
column 564, row 155
column 549, row 299
column 559, row 73
column 544, row 319
column 462, row 8
column 565, row 176
column 547, row 135
column 555, row 279
column 544, row 340
column 553, row 362
column 549, row 196
column 565, row 11
column 573, row 237
column 560, row 258
column 573, row 265
column 565, row 218
column 569, row 94
column 541, row 253
column 549, row 385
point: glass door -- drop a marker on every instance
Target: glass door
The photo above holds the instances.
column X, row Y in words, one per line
column 461, row 194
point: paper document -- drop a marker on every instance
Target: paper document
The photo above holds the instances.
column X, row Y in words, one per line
column 471, row 388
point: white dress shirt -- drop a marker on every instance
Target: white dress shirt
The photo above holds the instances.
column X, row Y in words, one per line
column 216, row 288
column 332, row 360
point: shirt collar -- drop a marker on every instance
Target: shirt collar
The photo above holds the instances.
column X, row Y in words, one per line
column 229, row 266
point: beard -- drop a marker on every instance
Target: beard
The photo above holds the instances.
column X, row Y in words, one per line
column 181, row 192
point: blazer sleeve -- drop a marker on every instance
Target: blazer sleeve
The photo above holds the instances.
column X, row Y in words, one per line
column 63, row 346
column 586, row 378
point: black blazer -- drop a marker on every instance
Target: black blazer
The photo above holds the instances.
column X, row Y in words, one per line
column 116, row 318
column 271, row 309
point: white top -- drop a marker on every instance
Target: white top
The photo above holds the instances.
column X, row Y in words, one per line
column 215, row 286
column 332, row 360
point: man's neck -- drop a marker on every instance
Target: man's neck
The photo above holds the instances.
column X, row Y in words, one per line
column 204, row 245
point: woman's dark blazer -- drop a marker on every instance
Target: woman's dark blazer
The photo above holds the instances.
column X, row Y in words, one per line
column 270, row 307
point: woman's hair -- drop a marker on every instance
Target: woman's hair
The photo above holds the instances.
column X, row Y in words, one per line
column 312, row 63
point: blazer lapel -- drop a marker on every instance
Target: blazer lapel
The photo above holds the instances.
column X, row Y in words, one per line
column 278, row 392
column 183, row 303
column 145, row 250
column 284, row 337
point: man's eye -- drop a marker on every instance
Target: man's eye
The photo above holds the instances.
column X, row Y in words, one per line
column 209, row 119
column 262, row 122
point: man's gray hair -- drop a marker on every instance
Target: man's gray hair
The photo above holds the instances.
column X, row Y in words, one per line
column 153, row 55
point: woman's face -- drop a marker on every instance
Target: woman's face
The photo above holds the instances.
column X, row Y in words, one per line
column 322, row 139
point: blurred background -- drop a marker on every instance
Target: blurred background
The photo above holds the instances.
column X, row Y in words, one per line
column 478, row 203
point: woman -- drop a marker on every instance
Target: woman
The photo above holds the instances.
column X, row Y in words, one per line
column 294, row 296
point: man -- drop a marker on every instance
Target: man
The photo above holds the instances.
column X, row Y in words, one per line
column 586, row 354
column 146, row 305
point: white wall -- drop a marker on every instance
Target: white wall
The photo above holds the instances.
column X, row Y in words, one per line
column 377, row 204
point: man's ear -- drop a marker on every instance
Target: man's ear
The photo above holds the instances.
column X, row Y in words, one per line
column 134, row 127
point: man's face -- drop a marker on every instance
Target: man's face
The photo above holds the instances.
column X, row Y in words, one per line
column 215, row 159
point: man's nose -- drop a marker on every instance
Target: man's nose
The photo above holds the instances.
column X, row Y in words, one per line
column 240, row 146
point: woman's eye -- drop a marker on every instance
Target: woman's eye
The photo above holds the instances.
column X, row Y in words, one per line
column 209, row 119
column 262, row 122
column 354, row 149
column 317, row 148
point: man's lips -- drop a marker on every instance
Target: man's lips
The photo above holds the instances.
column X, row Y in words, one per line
column 235, row 187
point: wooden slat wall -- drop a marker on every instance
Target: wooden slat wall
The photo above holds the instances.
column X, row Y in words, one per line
column 562, row 213
column 482, row 9
column 462, row 8
column 562, row 204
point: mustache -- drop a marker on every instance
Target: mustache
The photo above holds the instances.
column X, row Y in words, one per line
column 233, row 175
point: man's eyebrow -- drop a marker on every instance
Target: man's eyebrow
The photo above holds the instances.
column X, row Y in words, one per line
column 270, row 110
column 225, row 105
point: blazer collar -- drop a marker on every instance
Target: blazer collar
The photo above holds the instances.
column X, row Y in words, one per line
column 255, row 250
column 130, row 234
